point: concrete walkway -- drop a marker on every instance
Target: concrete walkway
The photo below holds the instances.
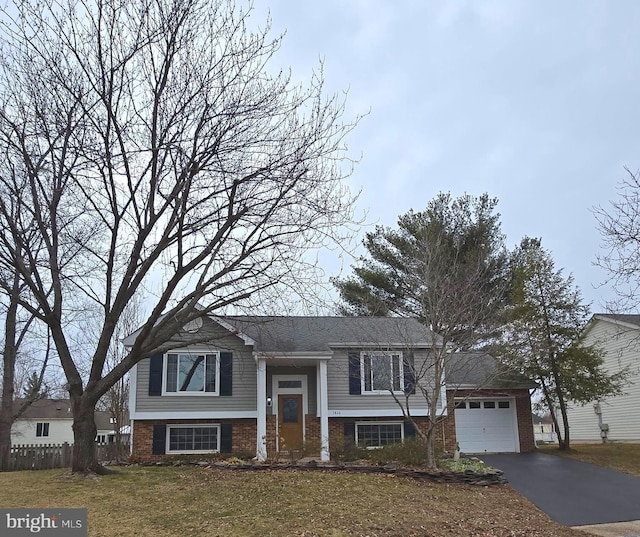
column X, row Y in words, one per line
column 617, row 529
column 572, row 493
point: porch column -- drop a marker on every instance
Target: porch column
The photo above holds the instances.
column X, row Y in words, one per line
column 261, row 426
column 324, row 412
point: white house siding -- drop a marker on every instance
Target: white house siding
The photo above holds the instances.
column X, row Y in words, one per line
column 244, row 386
column 622, row 413
column 340, row 400
column 24, row 431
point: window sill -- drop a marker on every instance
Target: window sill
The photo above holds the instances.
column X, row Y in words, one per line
column 383, row 392
column 194, row 452
column 191, row 394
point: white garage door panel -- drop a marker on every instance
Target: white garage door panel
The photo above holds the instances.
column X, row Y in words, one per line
column 486, row 430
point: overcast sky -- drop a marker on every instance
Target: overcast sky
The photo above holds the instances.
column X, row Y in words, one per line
column 533, row 102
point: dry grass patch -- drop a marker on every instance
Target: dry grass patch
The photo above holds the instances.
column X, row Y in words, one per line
column 169, row 501
column 623, row 457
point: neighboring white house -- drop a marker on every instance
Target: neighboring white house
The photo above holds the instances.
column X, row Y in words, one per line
column 49, row 421
column 544, row 430
column 614, row 418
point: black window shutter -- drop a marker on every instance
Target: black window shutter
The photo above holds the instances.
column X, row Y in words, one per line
column 155, row 375
column 226, row 373
column 350, row 430
column 409, row 430
column 355, row 387
column 159, row 439
column 226, row 438
column 409, row 374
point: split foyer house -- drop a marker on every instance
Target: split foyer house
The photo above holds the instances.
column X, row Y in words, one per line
column 263, row 385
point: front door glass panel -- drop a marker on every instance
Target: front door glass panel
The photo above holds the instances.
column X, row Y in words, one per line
column 290, row 409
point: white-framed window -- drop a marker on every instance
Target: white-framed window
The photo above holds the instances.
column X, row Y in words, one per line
column 101, row 439
column 381, row 371
column 192, row 373
column 42, row 429
column 193, row 438
column 373, row 434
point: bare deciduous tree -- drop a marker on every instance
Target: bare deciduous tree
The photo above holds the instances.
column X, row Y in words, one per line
column 619, row 227
column 31, row 388
column 18, row 326
column 151, row 148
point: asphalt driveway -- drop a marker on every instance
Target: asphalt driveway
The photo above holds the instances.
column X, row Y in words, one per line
column 572, row 493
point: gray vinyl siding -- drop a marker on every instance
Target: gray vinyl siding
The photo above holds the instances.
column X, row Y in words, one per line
column 339, row 397
column 621, row 346
column 244, row 383
column 423, row 363
column 312, row 385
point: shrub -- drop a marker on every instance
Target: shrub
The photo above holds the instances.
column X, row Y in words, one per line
column 346, row 450
column 409, row 453
column 234, row 461
column 194, row 458
column 244, row 455
column 464, row 463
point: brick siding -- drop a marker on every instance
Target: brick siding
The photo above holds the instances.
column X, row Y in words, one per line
column 445, row 431
column 244, row 430
column 243, row 436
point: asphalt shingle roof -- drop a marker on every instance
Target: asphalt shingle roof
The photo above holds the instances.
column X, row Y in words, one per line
column 319, row 334
column 47, row 409
column 625, row 318
column 482, row 369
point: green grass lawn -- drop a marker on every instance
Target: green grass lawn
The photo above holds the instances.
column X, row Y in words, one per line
column 184, row 501
column 624, row 457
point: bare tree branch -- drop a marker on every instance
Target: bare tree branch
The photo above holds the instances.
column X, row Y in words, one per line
column 149, row 146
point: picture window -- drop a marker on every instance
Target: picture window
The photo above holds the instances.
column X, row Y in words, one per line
column 202, row 439
column 377, row 435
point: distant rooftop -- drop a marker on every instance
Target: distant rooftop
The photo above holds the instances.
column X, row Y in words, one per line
column 47, row 409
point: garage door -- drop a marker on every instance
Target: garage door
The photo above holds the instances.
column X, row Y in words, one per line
column 486, row 426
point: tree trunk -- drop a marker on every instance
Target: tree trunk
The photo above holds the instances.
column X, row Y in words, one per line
column 85, row 457
column 430, row 442
column 5, row 438
column 549, row 400
column 6, row 410
column 9, row 355
column 556, row 427
column 565, row 444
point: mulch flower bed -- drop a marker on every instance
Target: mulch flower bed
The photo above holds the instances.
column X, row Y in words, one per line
column 469, row 477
